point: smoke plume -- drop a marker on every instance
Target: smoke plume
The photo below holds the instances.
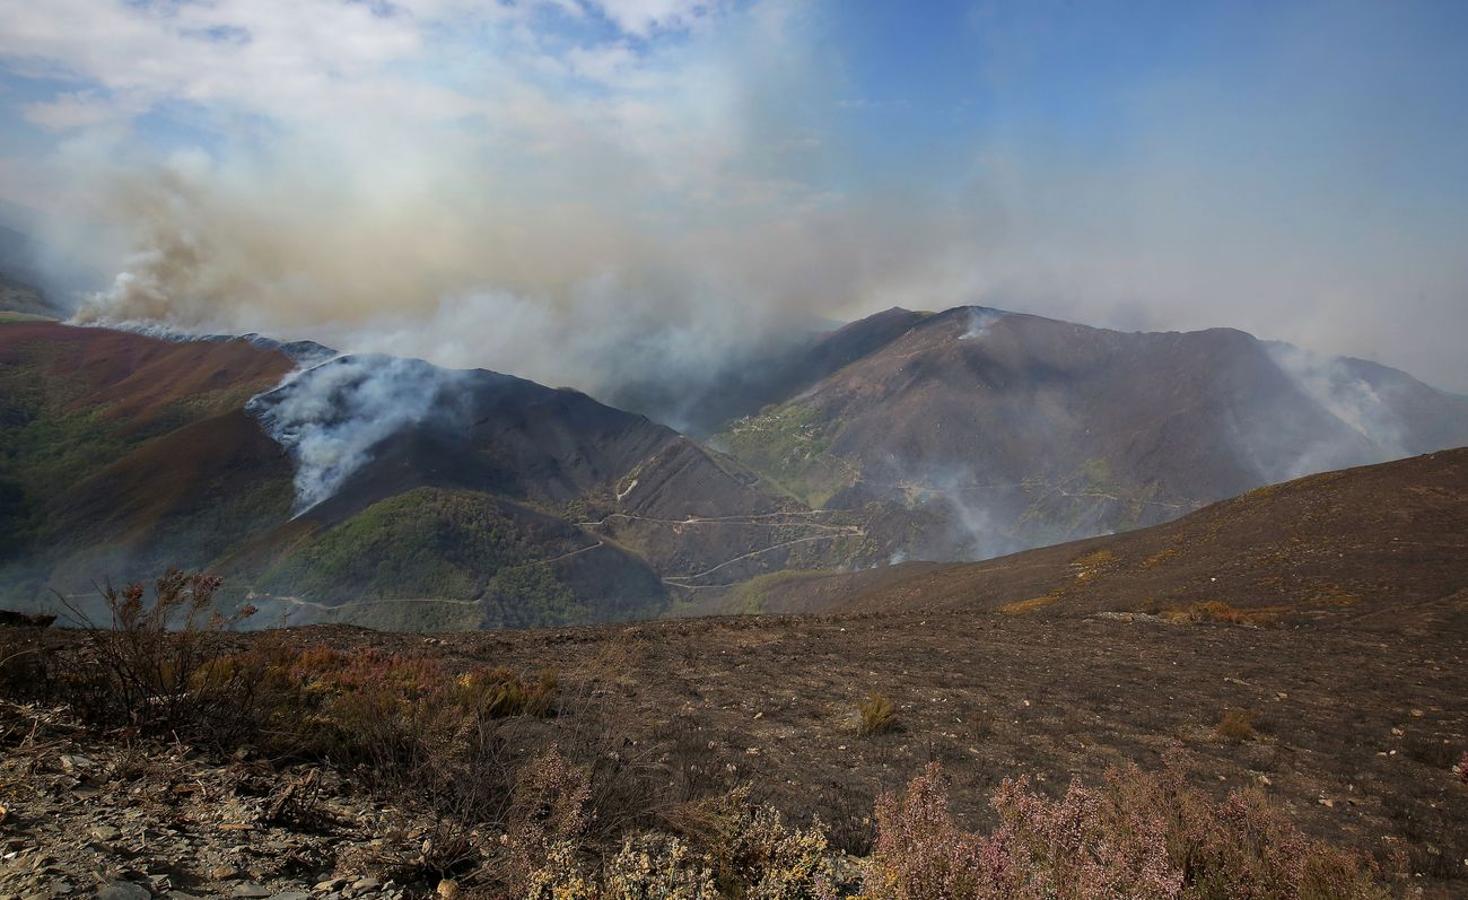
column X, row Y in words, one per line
column 504, row 185
column 329, row 417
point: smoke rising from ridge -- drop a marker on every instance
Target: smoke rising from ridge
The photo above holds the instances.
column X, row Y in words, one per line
column 501, row 187
column 330, row 416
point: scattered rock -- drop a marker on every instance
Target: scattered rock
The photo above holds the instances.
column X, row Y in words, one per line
column 123, row 890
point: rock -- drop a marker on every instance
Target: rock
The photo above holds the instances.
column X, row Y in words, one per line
column 123, row 890
column 448, row 888
column 104, row 833
column 291, row 895
column 71, row 763
column 251, row 890
column 9, row 618
column 366, row 884
column 329, row 884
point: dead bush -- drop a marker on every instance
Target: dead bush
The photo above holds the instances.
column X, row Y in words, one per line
column 1236, row 725
column 24, row 674
column 549, row 813
column 756, row 854
column 139, row 670
column 1223, row 613
column 878, row 714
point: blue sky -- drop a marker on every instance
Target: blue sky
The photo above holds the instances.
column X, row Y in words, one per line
column 1296, row 169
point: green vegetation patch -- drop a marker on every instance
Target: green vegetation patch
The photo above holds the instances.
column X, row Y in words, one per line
column 790, row 446
column 453, row 554
column 440, row 542
column 749, row 597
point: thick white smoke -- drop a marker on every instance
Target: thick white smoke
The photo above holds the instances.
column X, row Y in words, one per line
column 438, row 175
column 331, row 416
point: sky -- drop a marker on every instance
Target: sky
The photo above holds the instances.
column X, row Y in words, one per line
column 579, row 191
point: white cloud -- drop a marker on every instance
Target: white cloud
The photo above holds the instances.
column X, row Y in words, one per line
column 643, row 17
column 75, row 110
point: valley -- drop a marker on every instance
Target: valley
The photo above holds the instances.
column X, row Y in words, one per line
column 485, row 500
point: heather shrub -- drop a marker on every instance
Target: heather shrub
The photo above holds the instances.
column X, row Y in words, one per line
column 878, row 714
column 921, row 853
column 1137, row 836
column 1086, row 844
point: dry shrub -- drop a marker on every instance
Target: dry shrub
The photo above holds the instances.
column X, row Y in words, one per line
column 548, row 816
column 757, row 855
column 1236, row 725
column 751, row 853
column 404, row 724
column 922, row 853
column 1093, row 559
column 878, row 714
column 23, row 670
column 1223, row 613
column 658, row 866
column 140, row 672
column 1160, row 557
column 562, row 875
column 1020, row 607
column 1138, row 836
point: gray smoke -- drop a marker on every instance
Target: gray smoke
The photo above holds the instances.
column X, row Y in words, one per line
column 981, row 319
column 1353, row 400
column 331, row 416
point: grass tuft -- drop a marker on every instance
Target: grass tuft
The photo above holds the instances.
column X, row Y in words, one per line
column 878, row 714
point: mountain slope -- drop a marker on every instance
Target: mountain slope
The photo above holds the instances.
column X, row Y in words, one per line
column 362, row 488
column 1357, row 542
column 19, row 279
column 1027, row 431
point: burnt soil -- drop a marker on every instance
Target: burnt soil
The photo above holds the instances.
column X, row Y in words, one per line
column 1358, row 696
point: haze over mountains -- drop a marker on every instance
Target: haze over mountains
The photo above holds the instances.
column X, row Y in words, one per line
column 1025, row 430
column 389, row 491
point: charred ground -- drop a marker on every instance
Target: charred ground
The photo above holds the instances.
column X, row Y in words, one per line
column 1345, row 708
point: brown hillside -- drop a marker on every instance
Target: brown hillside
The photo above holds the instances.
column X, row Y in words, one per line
column 138, row 376
column 1360, row 541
